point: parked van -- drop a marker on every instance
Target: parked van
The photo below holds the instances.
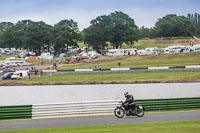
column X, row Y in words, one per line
column 21, row 75
column 115, row 52
column 132, row 51
column 45, row 56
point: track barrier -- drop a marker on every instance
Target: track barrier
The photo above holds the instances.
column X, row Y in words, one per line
column 89, row 108
column 197, row 67
column 15, row 112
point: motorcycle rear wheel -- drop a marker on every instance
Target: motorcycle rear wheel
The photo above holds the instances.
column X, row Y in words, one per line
column 119, row 112
column 140, row 112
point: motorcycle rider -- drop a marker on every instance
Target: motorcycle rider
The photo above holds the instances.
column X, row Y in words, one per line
column 130, row 102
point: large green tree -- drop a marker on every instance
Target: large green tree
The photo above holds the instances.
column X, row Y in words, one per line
column 19, row 31
column 122, row 29
column 173, row 25
column 65, row 33
column 98, row 33
column 144, row 32
column 5, row 25
column 5, row 36
column 25, row 34
column 35, row 36
column 116, row 28
column 196, row 20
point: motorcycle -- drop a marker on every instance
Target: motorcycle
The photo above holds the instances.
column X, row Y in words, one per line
column 123, row 109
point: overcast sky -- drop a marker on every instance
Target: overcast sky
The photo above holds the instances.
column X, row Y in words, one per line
column 144, row 12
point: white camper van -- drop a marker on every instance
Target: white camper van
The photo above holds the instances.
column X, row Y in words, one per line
column 130, row 51
column 21, row 75
column 115, row 52
column 45, row 56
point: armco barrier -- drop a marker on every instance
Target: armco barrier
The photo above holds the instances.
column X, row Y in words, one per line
column 139, row 68
column 120, row 69
column 70, row 109
column 100, row 69
column 176, row 67
column 170, row 104
column 107, row 107
column 65, row 70
column 73, row 109
column 83, row 70
column 196, row 66
column 157, row 68
column 105, row 69
column 49, row 71
column 15, row 112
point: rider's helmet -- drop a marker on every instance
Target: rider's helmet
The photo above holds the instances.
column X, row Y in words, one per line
column 126, row 94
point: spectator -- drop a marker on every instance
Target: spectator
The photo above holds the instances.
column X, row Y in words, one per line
column 36, row 71
column 119, row 64
column 54, row 65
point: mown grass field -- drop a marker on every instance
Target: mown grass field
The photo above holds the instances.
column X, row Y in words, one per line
column 165, row 127
column 160, row 43
column 146, row 77
column 139, row 61
column 3, row 57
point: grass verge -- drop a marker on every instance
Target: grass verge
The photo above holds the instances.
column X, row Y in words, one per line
column 104, row 78
column 164, row 127
column 139, row 61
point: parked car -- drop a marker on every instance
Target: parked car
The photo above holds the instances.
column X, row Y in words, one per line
column 22, row 55
column 27, row 64
column 5, row 53
column 7, row 76
column 64, row 55
column 6, row 66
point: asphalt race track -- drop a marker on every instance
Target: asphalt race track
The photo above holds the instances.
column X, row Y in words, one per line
column 106, row 120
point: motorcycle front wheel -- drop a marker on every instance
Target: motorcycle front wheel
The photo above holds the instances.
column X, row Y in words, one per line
column 119, row 112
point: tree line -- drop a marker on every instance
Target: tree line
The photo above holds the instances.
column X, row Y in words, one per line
column 38, row 36
column 173, row 26
column 114, row 29
column 196, row 21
